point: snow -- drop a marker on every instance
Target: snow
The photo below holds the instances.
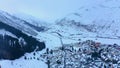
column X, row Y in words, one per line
column 101, row 17
column 96, row 10
column 16, row 23
column 104, row 16
column 32, row 20
column 104, row 40
column 88, row 53
column 22, row 63
column 3, row 32
column 50, row 40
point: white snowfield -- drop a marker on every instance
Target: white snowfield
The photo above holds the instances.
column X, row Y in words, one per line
column 22, row 63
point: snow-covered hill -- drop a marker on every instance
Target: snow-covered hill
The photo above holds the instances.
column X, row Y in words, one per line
column 16, row 37
column 102, row 18
column 29, row 27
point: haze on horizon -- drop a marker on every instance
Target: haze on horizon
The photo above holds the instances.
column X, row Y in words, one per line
column 47, row 10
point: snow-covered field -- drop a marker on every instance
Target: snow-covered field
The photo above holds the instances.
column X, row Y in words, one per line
column 31, row 61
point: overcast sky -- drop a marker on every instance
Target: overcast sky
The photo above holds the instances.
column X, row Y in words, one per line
column 48, row 10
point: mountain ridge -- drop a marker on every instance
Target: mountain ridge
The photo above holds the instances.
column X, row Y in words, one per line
column 14, row 41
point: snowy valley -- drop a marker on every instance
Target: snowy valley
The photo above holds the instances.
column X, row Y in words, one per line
column 86, row 38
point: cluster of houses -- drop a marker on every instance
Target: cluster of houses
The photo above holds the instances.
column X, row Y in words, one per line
column 87, row 54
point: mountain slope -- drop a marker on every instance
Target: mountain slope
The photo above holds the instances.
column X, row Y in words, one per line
column 25, row 26
column 14, row 38
column 101, row 18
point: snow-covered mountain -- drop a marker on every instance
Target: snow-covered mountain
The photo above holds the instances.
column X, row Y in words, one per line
column 16, row 37
column 101, row 18
column 26, row 26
